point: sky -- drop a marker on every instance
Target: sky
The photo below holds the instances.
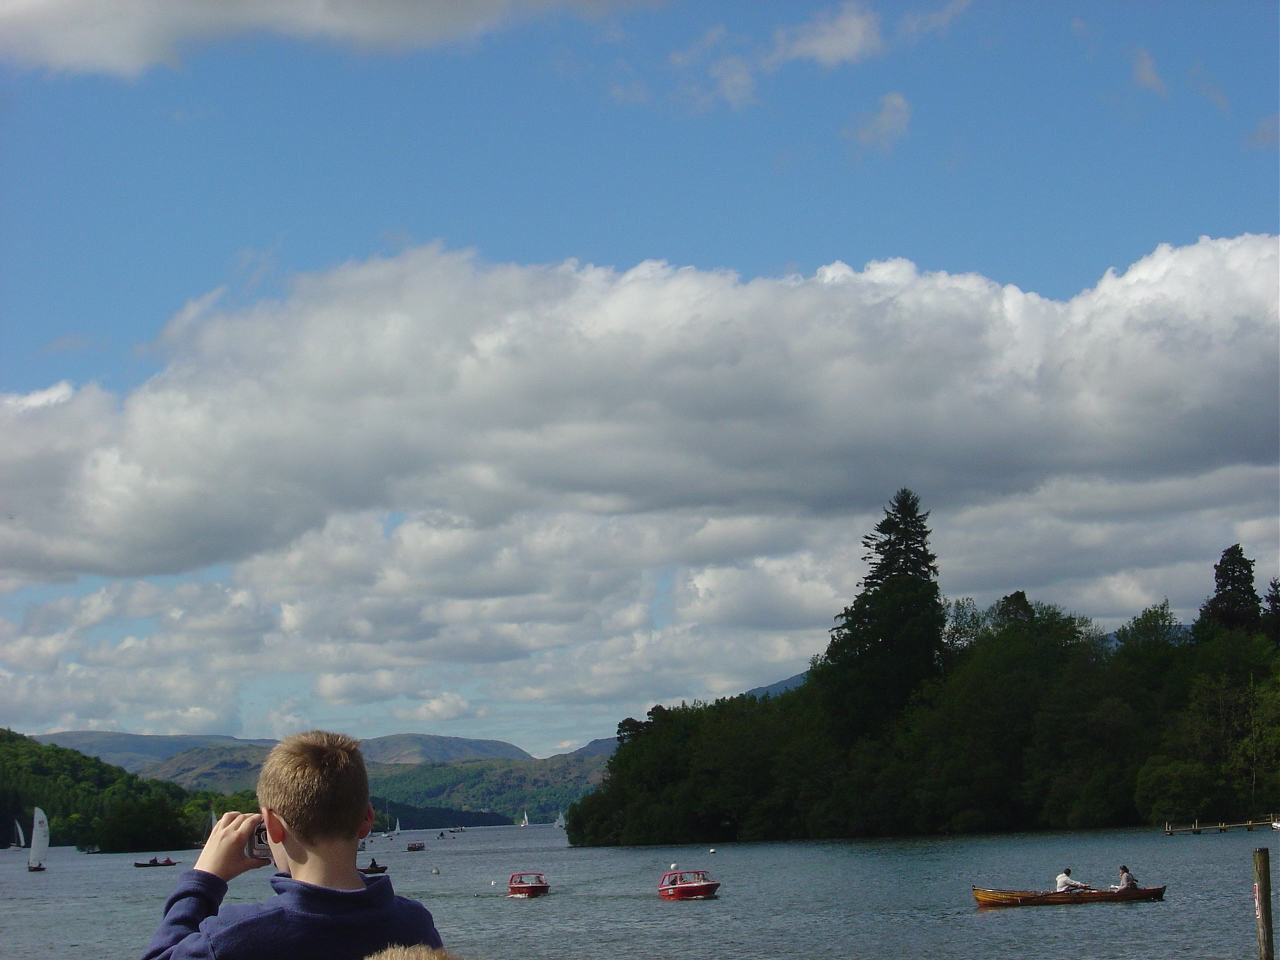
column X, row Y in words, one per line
column 501, row 368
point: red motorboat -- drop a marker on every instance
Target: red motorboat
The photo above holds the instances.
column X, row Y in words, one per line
column 528, row 885
column 688, row 885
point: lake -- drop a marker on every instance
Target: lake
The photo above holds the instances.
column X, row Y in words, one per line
column 904, row 898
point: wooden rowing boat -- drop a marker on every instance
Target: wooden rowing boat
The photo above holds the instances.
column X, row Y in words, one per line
column 1045, row 898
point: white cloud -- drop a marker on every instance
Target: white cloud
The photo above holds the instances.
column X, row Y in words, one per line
column 846, row 35
column 447, row 489
column 127, row 37
column 886, row 127
column 1145, row 73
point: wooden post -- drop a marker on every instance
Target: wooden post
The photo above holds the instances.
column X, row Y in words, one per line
column 1262, row 901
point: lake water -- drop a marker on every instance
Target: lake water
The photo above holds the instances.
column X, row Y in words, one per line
column 906, row 898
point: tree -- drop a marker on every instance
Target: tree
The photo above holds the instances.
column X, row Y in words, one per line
column 1271, row 612
column 890, row 639
column 1234, row 604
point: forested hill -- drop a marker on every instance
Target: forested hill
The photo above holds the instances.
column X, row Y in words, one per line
column 925, row 716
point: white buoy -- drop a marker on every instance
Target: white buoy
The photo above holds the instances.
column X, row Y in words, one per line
column 673, row 866
column 435, row 869
column 712, row 850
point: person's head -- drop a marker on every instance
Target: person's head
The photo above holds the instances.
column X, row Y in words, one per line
column 411, row 953
column 1067, row 871
column 316, row 783
column 1123, row 868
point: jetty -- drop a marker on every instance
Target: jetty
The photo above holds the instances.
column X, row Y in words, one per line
column 1270, row 822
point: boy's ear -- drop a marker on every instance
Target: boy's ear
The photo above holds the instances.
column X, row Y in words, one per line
column 366, row 825
column 275, row 826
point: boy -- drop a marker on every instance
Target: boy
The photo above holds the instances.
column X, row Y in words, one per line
column 314, row 797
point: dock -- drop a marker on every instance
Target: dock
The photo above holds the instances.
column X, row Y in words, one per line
column 1270, row 822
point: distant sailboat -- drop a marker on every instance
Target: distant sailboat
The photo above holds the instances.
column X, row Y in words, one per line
column 560, row 819
column 525, row 821
column 39, row 841
column 397, row 826
column 21, row 838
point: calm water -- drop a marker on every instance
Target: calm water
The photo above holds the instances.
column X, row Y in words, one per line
column 853, row 899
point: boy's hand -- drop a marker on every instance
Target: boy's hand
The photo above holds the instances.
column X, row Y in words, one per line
column 223, row 854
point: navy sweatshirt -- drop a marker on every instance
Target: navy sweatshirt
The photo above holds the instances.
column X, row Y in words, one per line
column 302, row 921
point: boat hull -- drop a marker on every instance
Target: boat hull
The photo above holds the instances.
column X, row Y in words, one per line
column 369, row 871
column 528, row 889
column 162, row 863
column 1049, row 898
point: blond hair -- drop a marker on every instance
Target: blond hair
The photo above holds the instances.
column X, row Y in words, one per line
column 418, row 952
column 317, row 783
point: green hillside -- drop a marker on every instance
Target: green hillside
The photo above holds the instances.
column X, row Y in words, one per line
column 509, row 787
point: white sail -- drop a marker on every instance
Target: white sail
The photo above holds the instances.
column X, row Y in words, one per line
column 560, row 819
column 22, row 837
column 39, row 839
column 525, row 821
column 397, row 824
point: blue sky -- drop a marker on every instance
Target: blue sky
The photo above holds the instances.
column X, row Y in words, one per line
column 254, row 262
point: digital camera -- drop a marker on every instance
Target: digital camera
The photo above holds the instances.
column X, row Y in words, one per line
column 257, row 847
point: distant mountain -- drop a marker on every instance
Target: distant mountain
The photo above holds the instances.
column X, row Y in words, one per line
column 136, row 751
column 425, row 748
column 225, row 768
column 542, row 788
column 596, row 748
column 781, row 686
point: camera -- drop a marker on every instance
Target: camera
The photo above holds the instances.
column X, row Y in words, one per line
column 257, row 847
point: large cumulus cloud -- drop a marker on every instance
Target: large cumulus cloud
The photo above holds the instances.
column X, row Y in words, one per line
column 450, row 485
column 126, row 37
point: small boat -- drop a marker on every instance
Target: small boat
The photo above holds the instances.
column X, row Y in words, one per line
column 153, row 862
column 416, row 845
column 687, row 885
column 560, row 820
column 19, row 838
column 39, row 841
column 528, row 885
column 525, row 821
column 374, row 867
column 1045, row 898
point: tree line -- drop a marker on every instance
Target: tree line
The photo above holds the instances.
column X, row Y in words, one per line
column 931, row 716
column 99, row 807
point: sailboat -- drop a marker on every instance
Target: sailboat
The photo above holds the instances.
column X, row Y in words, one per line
column 525, row 821
column 397, row 826
column 39, row 841
column 560, row 819
column 20, row 838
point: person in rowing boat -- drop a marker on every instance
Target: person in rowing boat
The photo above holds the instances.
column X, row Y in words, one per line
column 1066, row 884
column 1127, row 880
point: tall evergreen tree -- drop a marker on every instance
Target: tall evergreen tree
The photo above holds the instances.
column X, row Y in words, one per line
column 1234, row 604
column 890, row 639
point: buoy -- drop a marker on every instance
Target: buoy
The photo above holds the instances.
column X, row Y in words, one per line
column 713, row 850
column 673, row 866
column 435, row 869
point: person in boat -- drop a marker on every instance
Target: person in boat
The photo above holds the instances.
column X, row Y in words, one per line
column 373, row 863
column 1065, row 883
column 313, row 793
column 1127, row 880
column 155, row 862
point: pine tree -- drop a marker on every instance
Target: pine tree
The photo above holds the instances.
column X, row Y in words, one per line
column 890, row 639
column 1234, row 604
